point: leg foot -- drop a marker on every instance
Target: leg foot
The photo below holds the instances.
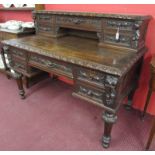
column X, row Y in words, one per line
column 20, row 85
column 128, row 106
column 22, row 94
column 8, row 77
column 109, row 120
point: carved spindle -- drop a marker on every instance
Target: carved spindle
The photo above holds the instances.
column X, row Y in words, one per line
column 109, row 120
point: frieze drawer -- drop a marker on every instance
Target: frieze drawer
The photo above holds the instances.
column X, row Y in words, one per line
column 18, row 53
column 51, row 65
column 79, row 22
column 96, row 78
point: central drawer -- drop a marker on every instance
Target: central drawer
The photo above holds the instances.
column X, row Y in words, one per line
column 51, row 65
column 91, row 24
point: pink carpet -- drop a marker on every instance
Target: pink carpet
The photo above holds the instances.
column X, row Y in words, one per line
column 51, row 119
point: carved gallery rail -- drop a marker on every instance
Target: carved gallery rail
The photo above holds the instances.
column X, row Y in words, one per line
column 101, row 53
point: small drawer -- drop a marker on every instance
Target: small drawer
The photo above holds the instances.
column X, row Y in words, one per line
column 44, row 28
column 79, row 22
column 90, row 92
column 90, row 76
column 119, row 40
column 121, row 24
column 18, row 53
column 95, row 78
column 44, row 18
column 102, row 97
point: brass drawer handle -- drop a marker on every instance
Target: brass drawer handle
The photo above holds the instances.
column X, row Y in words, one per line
column 51, row 64
column 77, row 21
column 90, row 92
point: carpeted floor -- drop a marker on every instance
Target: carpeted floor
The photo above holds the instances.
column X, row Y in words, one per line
column 51, row 119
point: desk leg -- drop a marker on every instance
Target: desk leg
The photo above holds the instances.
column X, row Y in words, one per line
column 128, row 106
column 20, row 85
column 109, row 120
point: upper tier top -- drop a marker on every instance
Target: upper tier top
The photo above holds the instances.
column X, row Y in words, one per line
column 93, row 14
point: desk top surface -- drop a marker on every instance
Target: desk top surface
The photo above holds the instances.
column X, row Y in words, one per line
column 80, row 51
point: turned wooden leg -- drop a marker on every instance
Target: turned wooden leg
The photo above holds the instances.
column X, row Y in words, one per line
column 20, row 85
column 152, row 132
column 109, row 120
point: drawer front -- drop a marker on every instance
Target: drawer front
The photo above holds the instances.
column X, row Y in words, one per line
column 90, row 92
column 79, row 22
column 44, row 18
column 20, row 54
column 44, row 28
column 120, row 39
column 122, row 24
column 103, row 97
column 21, row 67
column 96, row 78
column 51, row 65
column 122, row 33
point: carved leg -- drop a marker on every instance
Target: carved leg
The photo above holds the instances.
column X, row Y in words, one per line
column 20, row 85
column 109, row 120
column 128, row 106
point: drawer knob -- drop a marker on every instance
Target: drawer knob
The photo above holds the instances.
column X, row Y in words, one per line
column 89, row 92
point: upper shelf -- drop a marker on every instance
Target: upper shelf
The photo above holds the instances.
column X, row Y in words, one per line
column 18, row 9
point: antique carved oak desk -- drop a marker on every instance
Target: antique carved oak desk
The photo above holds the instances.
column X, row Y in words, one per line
column 101, row 53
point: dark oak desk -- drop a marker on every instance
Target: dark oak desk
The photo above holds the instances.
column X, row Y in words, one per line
column 101, row 53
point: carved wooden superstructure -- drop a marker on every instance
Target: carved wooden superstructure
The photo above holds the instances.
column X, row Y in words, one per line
column 101, row 53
